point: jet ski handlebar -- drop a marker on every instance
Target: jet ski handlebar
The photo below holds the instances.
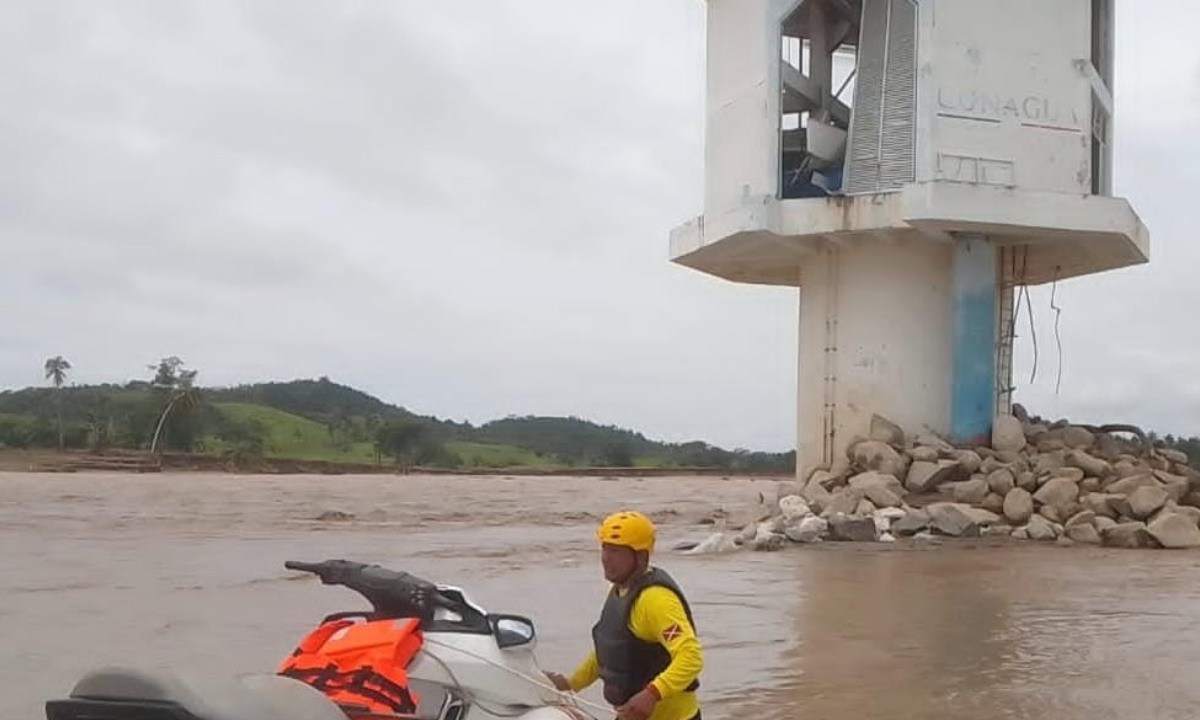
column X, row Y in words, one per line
column 392, row 594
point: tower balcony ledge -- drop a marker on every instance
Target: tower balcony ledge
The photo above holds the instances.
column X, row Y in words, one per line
column 765, row 240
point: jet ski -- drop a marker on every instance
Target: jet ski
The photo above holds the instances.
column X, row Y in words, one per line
column 422, row 652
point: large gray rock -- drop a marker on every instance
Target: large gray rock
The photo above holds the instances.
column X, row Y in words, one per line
column 882, row 497
column 971, row 492
column 1099, row 503
column 874, row 479
column 1073, row 474
column 912, row 523
column 1083, row 517
column 1104, row 523
column 1122, row 508
column 1165, row 477
column 1027, row 480
column 1040, row 529
column 1057, row 492
column 925, row 477
column 885, row 430
column 853, row 529
column 1085, row 533
column 769, row 535
column 952, row 519
column 806, row 530
column 793, row 506
column 826, row 479
column 1090, row 465
column 818, row 497
column 1049, row 462
column 1126, row 535
column 865, row 508
column 1077, row 438
column 993, row 503
column 1174, row 456
column 1184, row 510
column 1007, row 434
column 1009, row 457
column 1127, row 485
column 1053, row 513
column 844, row 502
column 969, row 461
column 1089, row 485
column 924, row 453
column 1177, row 487
column 1049, row 444
column 1173, row 530
column 982, row 518
column 991, row 464
column 1125, row 468
column 879, row 456
column 1002, row 480
column 1145, row 501
column 1018, row 506
column 935, row 442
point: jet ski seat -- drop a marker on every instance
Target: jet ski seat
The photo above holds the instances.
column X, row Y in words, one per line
column 120, row 693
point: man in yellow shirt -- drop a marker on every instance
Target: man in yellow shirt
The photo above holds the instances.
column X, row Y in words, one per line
column 645, row 645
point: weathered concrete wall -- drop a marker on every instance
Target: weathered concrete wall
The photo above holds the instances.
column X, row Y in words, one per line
column 1002, row 102
column 884, row 312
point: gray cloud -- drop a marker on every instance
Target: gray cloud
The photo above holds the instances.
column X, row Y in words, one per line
column 465, row 209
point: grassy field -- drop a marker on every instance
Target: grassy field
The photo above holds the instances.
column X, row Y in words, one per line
column 291, row 436
column 496, row 456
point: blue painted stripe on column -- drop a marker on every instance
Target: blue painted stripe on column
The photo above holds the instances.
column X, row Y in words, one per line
column 975, row 297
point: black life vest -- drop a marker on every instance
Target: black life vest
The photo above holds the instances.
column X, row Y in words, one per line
column 628, row 663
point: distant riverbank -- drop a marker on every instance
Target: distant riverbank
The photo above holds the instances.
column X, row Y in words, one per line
column 128, row 461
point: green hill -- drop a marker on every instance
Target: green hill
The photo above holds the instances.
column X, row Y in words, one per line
column 290, row 436
column 323, row 420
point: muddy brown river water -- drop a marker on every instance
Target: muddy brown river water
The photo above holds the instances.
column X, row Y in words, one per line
column 187, row 569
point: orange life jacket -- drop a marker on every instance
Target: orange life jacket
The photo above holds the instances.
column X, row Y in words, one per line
column 360, row 665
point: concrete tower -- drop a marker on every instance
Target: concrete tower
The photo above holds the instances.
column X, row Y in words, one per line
column 906, row 164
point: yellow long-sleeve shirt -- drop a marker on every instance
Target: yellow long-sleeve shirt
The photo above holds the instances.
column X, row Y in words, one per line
column 658, row 616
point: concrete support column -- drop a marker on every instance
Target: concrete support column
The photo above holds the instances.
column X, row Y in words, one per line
column 875, row 338
column 975, row 293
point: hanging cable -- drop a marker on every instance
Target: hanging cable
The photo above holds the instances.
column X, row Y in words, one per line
column 1032, row 333
column 1057, row 336
column 1029, row 309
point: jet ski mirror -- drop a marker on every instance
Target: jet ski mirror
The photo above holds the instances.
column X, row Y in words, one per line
column 512, row 630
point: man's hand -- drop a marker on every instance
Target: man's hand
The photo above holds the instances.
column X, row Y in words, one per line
column 640, row 706
column 560, row 682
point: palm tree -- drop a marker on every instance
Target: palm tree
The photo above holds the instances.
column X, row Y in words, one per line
column 182, row 385
column 56, row 371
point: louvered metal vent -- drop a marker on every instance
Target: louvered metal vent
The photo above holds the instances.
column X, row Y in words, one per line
column 881, row 151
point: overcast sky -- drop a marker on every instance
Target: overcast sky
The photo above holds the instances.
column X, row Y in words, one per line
column 463, row 208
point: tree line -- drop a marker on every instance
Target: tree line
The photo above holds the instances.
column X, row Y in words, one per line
column 169, row 411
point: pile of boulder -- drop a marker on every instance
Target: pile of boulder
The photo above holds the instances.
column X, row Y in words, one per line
column 1051, row 482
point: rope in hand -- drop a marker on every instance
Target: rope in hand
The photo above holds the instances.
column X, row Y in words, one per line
column 571, row 698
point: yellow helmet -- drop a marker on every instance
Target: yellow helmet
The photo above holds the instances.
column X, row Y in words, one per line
column 629, row 528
